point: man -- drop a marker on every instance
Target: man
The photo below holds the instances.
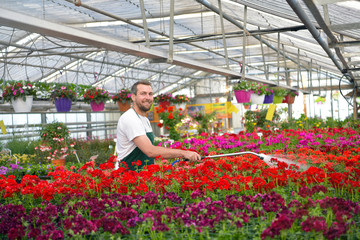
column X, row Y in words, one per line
column 134, row 133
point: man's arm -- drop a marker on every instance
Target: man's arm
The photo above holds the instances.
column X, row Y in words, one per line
column 145, row 145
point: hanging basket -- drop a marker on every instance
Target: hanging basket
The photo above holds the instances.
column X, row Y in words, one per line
column 165, row 105
column 63, row 104
column 289, row 99
column 97, row 107
column 257, row 99
column 269, row 99
column 20, row 106
column 124, row 106
column 278, row 99
column 242, row 96
column 58, row 162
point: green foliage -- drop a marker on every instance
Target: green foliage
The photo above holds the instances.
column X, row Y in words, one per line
column 242, row 85
column 54, row 131
column 85, row 149
column 96, row 94
column 18, row 89
column 20, row 146
column 124, row 95
column 63, row 91
column 280, row 92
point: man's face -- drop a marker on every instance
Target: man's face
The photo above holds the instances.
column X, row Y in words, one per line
column 144, row 97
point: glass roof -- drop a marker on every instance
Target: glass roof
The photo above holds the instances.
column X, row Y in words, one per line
column 112, row 43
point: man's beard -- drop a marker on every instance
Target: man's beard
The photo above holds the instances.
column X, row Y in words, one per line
column 143, row 107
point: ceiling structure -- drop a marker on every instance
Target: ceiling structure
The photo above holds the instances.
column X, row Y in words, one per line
column 310, row 45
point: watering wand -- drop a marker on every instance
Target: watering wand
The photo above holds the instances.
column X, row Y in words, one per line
column 265, row 158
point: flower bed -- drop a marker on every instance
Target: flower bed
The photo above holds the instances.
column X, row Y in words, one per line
column 237, row 197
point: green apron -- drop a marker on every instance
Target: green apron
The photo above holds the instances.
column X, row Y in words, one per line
column 137, row 154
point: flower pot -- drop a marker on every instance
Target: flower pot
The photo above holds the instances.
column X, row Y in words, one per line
column 269, row 99
column 181, row 105
column 20, row 106
column 58, row 162
column 247, row 106
column 257, row 99
column 63, row 104
column 124, row 106
column 289, row 99
column 96, row 107
column 278, row 99
column 165, row 105
column 242, row 96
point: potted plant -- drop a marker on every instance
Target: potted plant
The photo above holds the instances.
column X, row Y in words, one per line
column 180, row 101
column 242, row 91
column 96, row 97
column 279, row 94
column 290, row 97
column 123, row 99
column 164, row 100
column 56, row 143
column 62, row 95
column 269, row 95
column 169, row 119
column 20, row 94
column 258, row 94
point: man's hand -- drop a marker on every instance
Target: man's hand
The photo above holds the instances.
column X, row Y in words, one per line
column 192, row 156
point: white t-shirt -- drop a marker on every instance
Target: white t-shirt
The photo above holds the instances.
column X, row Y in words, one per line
column 130, row 126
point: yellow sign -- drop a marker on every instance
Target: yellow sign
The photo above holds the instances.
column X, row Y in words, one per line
column 270, row 112
column 2, row 126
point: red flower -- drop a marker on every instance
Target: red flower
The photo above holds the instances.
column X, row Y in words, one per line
column 171, row 116
column 160, row 125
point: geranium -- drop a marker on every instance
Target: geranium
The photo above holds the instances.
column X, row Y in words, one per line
column 181, row 99
column 165, row 97
column 258, row 88
column 293, row 93
column 62, row 91
column 56, row 142
column 124, row 95
column 170, row 119
column 96, row 94
column 14, row 90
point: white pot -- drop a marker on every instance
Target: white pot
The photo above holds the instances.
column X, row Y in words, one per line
column 181, row 105
column 20, row 106
column 257, row 99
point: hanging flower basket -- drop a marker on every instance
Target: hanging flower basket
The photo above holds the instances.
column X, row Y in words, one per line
column 289, row 99
column 124, row 106
column 278, row 99
column 20, row 105
column 97, row 107
column 269, row 99
column 242, row 96
column 257, row 99
column 63, row 104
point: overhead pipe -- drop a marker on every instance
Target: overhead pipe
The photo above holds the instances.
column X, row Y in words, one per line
column 295, row 5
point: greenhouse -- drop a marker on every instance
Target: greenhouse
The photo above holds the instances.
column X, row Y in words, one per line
column 203, row 119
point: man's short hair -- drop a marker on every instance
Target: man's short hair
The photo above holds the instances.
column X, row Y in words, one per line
column 134, row 87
